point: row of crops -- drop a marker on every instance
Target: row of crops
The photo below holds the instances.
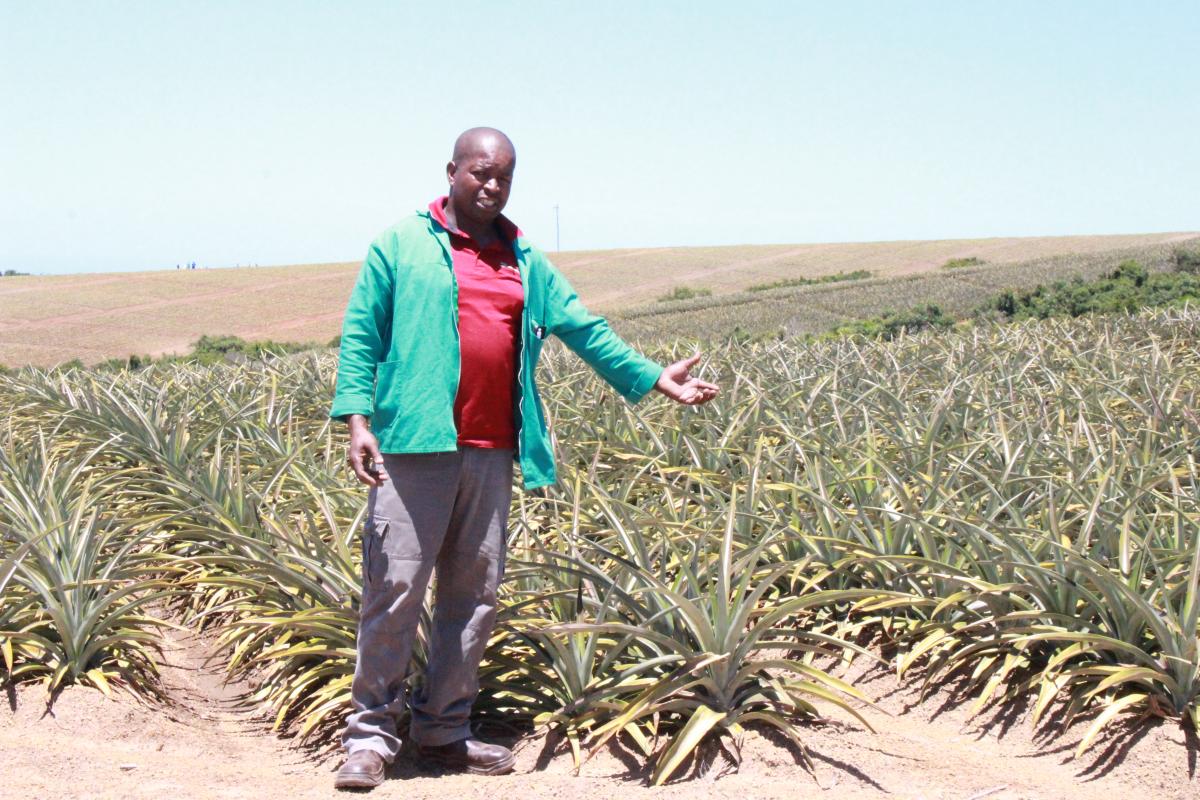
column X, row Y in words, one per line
column 1011, row 506
column 816, row 309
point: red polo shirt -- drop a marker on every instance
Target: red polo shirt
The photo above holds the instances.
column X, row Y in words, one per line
column 490, row 300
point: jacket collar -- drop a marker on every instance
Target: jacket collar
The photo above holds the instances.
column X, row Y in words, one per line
column 520, row 243
column 437, row 232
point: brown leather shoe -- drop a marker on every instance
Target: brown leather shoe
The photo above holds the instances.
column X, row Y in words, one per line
column 363, row 770
column 476, row 757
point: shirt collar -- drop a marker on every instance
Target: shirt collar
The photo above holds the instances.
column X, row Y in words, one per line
column 508, row 231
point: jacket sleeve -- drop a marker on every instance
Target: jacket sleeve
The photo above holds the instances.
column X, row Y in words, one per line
column 365, row 334
column 591, row 338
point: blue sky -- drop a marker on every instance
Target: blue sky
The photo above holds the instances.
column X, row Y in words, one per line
column 139, row 135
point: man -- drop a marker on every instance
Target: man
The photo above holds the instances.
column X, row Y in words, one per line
column 439, row 347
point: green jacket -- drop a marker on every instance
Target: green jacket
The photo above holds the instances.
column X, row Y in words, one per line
column 399, row 360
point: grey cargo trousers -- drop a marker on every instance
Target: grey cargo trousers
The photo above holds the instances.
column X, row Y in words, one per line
column 447, row 511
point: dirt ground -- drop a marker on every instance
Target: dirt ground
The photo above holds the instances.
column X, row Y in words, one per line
column 202, row 746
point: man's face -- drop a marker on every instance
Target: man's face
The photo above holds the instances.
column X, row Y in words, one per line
column 480, row 181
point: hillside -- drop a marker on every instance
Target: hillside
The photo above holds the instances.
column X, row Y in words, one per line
column 47, row 320
column 818, row 308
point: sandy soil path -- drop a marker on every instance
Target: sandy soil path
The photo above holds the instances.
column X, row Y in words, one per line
column 203, row 746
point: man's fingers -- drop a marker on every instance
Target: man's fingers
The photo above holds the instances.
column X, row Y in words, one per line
column 699, row 393
column 358, row 463
column 363, row 476
column 699, row 385
column 361, row 473
column 679, row 369
column 677, row 384
column 377, row 457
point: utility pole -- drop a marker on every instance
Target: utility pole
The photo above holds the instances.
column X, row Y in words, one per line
column 557, row 241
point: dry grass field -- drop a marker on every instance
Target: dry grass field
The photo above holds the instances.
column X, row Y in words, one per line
column 816, row 309
column 47, row 320
column 617, row 279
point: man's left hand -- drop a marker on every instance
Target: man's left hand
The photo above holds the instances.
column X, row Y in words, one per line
column 677, row 383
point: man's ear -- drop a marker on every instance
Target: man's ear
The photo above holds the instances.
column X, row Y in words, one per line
column 451, row 167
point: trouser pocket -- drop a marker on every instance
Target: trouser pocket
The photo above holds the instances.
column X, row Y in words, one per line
column 375, row 531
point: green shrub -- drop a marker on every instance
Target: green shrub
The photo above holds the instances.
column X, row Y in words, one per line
column 219, row 346
column 1187, row 261
column 786, row 283
column 957, row 263
column 892, row 324
column 210, row 349
column 131, row 363
column 207, row 350
column 684, row 293
column 1129, row 287
column 1130, row 270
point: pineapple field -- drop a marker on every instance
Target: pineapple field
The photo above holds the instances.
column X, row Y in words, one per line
column 1000, row 521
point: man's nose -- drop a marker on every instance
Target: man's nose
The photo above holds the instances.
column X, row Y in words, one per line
column 492, row 185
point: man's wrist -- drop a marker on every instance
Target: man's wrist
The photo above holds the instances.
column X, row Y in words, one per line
column 358, row 422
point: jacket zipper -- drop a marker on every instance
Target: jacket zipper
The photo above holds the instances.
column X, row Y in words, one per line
column 524, row 350
column 453, row 312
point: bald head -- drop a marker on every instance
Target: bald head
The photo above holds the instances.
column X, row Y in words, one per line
column 480, row 175
column 477, row 140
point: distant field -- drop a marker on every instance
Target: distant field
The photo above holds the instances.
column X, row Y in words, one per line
column 46, row 320
column 618, row 279
column 816, row 309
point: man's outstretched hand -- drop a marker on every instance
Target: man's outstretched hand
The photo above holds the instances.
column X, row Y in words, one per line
column 677, row 383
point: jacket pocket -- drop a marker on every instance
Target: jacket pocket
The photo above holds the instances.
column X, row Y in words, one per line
column 536, row 332
column 534, row 343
